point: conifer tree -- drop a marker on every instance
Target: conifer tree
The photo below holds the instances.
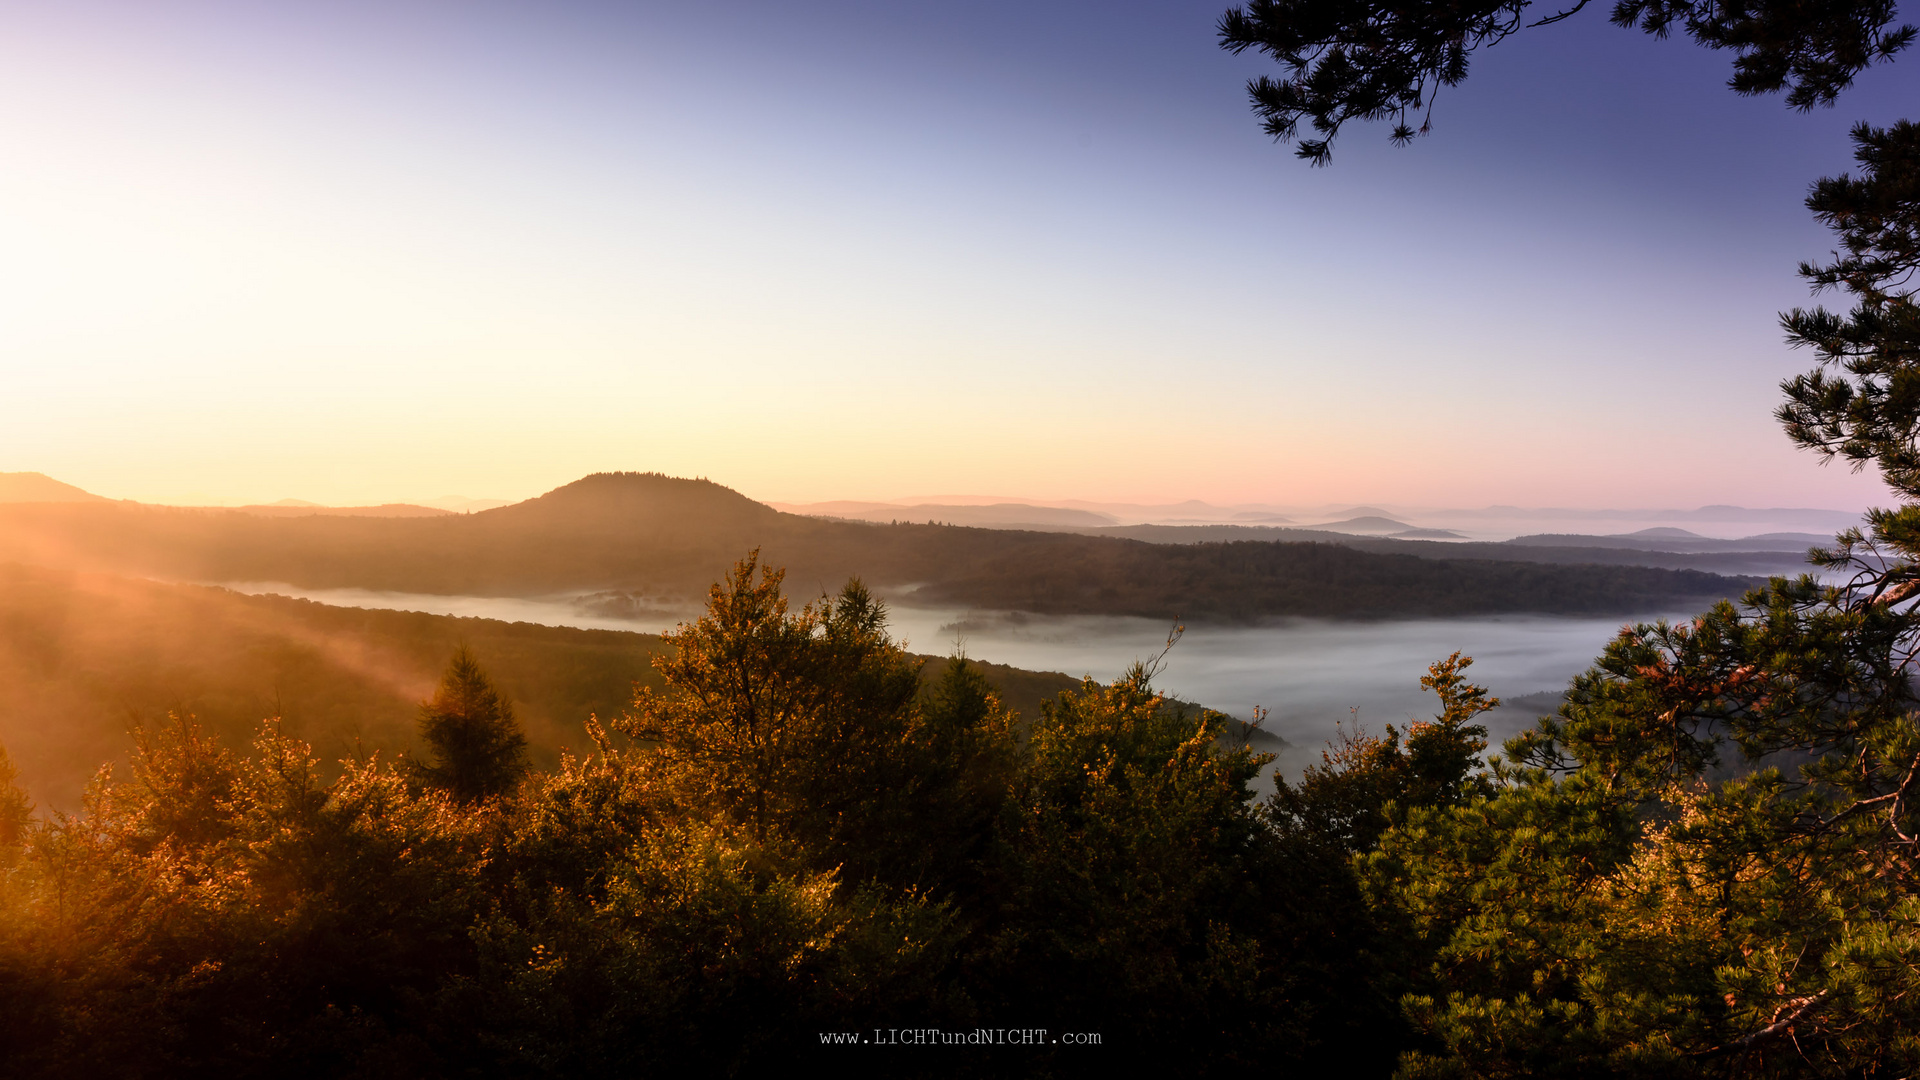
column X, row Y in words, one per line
column 1364, row 60
column 806, row 728
column 478, row 749
column 1362, row 780
column 1709, row 862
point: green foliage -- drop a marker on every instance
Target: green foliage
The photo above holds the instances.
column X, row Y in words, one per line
column 1859, row 404
column 697, row 950
column 1705, row 865
column 234, row 916
column 1706, row 862
column 1127, row 851
column 1364, row 783
column 808, row 729
column 478, row 750
column 797, row 834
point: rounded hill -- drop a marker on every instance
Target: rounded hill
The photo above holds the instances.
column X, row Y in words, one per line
column 644, row 502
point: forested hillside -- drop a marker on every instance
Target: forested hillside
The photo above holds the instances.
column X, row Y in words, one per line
column 793, row 833
column 85, row 656
column 659, row 535
column 1713, row 557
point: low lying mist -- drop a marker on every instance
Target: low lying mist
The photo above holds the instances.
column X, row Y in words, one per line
column 1310, row 673
column 84, row 657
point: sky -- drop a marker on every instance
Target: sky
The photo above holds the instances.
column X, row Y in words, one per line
column 362, row 252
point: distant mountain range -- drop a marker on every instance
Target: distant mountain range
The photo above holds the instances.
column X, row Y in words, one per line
column 1376, row 525
column 1490, row 523
column 21, row 487
column 989, row 515
column 1677, row 540
column 1765, row 555
column 32, row 487
column 1082, row 516
column 668, row 536
column 296, row 508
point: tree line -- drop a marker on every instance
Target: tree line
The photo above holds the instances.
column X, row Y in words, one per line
column 794, row 834
column 1701, row 866
column 1706, row 863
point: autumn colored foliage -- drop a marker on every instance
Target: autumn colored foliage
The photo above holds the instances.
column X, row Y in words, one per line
column 793, row 836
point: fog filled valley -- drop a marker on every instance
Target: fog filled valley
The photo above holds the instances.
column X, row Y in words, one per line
column 91, row 656
column 665, row 537
column 1308, row 674
column 151, row 651
column 598, row 768
column 117, row 613
column 583, row 541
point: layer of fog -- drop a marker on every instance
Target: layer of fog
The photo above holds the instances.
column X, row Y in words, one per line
column 592, row 611
column 1310, row 674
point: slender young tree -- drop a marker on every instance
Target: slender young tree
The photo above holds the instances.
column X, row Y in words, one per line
column 16, row 810
column 478, row 749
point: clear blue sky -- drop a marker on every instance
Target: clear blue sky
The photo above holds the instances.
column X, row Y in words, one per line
column 357, row 252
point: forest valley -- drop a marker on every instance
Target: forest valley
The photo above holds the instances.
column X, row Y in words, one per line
column 1706, row 864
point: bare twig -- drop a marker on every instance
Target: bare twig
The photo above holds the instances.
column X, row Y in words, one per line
column 1784, row 1019
column 1173, row 636
column 1795, row 1011
column 1567, row 14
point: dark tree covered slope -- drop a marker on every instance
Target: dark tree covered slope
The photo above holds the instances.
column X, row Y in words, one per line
column 83, row 656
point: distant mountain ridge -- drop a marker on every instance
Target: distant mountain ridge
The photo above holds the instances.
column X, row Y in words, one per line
column 297, row 508
column 652, row 503
column 1486, row 524
column 1765, row 555
column 1676, row 540
column 1364, row 523
column 670, row 536
column 993, row 515
column 20, row 487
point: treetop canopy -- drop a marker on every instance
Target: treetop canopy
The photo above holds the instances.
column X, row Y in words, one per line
column 1371, row 60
